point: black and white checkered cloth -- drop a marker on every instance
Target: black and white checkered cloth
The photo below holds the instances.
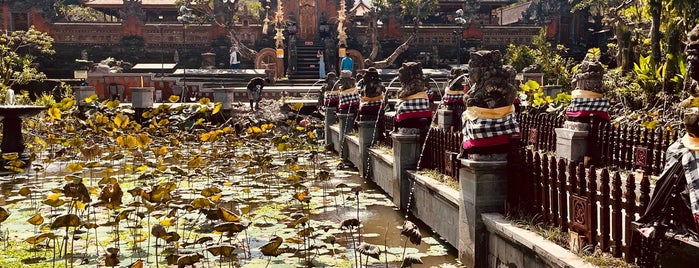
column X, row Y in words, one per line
column 453, row 98
column 376, row 103
column 331, row 96
column 677, row 152
column 350, row 99
column 488, row 128
column 412, row 105
column 588, row 104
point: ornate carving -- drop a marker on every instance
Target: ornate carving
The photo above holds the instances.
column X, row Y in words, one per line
column 493, row 83
column 372, row 83
column 132, row 8
column 411, row 79
column 589, row 77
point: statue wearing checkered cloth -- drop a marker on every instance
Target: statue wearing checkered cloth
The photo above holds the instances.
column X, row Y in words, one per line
column 588, row 94
column 413, row 109
column 349, row 95
column 489, row 121
column 331, row 98
column 372, row 101
column 674, row 204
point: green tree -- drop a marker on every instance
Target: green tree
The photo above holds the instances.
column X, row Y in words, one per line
column 520, row 56
column 18, row 50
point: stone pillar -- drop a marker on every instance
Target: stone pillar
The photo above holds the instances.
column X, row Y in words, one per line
column 346, row 127
column 225, row 96
column 367, row 135
column 444, row 118
column 406, row 151
column 330, row 119
column 571, row 141
column 81, row 93
column 483, row 189
column 141, row 100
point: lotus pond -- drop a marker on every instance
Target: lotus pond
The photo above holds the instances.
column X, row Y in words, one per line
column 177, row 190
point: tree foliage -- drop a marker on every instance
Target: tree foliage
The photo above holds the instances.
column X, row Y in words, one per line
column 18, row 50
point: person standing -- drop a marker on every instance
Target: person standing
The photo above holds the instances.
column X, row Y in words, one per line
column 347, row 63
column 254, row 87
column 321, row 64
column 234, row 61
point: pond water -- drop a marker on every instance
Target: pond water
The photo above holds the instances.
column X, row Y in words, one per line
column 297, row 196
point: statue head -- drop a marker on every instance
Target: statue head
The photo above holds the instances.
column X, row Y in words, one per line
column 590, row 76
column 411, row 79
column 372, row 83
column 493, row 83
column 346, row 81
column 330, row 80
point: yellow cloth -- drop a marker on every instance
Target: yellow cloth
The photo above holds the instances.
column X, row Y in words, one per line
column 419, row 95
column 334, row 92
column 348, row 91
column 579, row 93
column 690, row 142
column 368, row 99
column 473, row 112
column 454, row 92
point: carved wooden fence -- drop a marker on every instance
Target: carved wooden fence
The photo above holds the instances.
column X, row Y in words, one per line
column 538, row 130
column 630, row 147
column 597, row 205
column 440, row 152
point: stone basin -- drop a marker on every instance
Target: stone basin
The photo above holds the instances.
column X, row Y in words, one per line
column 20, row 111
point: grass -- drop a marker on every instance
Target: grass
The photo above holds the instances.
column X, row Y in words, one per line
column 554, row 234
column 438, row 176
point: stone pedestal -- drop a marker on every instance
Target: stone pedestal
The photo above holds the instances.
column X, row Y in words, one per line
column 330, row 119
column 346, row 127
column 444, row 118
column 225, row 96
column 483, row 189
column 571, row 144
column 141, row 100
column 83, row 92
column 367, row 136
column 406, row 151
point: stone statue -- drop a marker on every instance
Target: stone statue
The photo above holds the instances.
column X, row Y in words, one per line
column 587, row 96
column 349, row 95
column 674, row 204
column 489, row 121
column 331, row 97
column 456, row 88
column 413, row 108
column 372, row 101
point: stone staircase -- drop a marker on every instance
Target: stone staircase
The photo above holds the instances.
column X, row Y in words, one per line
column 306, row 61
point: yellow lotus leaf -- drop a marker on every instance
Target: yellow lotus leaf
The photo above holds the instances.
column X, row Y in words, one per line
column 166, row 222
column 36, row 220
column 143, row 140
column 40, row 141
column 299, row 128
column 33, row 240
column 131, row 141
column 306, row 232
column 210, row 191
column 311, row 135
column 216, row 197
column 54, row 113
column 74, row 167
column 80, row 205
column 25, row 191
column 10, row 156
column 195, row 162
column 113, row 104
column 204, row 101
column 140, row 239
column 54, row 196
column 255, row 130
column 205, row 136
column 173, row 98
column 201, row 202
column 228, row 216
column 91, row 98
column 4, row 214
column 68, row 220
column 138, row 263
column 142, row 168
column 272, row 247
column 161, row 151
column 217, row 108
column 221, row 250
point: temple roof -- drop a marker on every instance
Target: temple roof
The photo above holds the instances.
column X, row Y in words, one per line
column 360, row 9
column 513, row 14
